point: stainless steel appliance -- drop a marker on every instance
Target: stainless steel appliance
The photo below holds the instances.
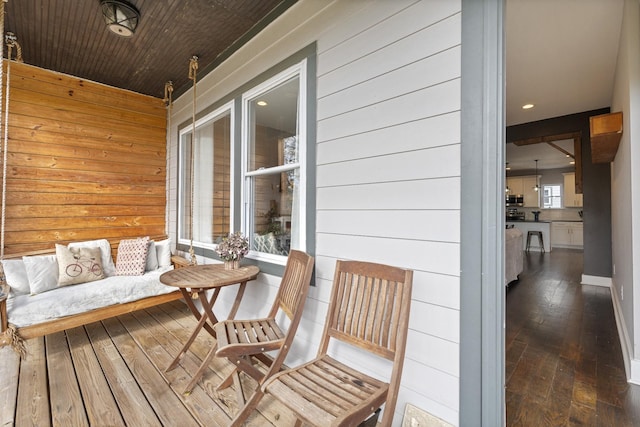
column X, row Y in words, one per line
column 514, row 200
column 514, row 215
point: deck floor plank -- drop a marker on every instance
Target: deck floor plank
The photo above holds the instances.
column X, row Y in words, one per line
column 9, row 371
column 198, row 402
column 167, row 405
column 119, row 368
column 33, row 395
column 63, row 384
column 99, row 402
column 132, row 402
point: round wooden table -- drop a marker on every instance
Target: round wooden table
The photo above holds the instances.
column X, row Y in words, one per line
column 194, row 282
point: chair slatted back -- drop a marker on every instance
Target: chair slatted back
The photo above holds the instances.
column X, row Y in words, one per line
column 369, row 308
column 290, row 294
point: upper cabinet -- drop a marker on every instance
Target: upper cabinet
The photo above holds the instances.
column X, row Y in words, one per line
column 606, row 131
column 571, row 198
column 525, row 186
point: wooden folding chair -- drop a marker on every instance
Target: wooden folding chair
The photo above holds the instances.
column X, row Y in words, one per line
column 369, row 309
column 240, row 340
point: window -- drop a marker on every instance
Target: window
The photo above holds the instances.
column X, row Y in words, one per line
column 206, row 178
column 552, row 196
column 274, row 141
column 252, row 168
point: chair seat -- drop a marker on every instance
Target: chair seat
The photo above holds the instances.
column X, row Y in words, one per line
column 325, row 392
column 247, row 337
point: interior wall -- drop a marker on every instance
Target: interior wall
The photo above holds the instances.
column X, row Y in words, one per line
column 596, row 186
column 85, row 161
column 625, row 192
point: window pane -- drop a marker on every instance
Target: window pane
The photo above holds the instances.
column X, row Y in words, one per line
column 273, row 210
column 209, row 214
column 276, row 206
column 552, row 196
column 273, row 116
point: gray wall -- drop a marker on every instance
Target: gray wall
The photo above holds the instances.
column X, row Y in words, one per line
column 596, row 184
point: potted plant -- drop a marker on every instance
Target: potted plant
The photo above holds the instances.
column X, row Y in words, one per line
column 232, row 249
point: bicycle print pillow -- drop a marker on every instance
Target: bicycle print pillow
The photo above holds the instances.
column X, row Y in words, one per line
column 78, row 265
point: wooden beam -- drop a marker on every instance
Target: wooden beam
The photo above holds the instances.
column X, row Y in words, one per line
column 562, row 150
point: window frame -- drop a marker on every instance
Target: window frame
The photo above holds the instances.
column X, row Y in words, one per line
column 560, row 196
column 297, row 70
column 207, row 118
column 309, row 54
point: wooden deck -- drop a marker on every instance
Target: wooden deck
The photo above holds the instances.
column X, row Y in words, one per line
column 111, row 373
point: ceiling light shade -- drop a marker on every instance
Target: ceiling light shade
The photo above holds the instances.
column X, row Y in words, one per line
column 121, row 17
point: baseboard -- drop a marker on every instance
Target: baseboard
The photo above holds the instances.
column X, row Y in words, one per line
column 596, row 281
column 631, row 366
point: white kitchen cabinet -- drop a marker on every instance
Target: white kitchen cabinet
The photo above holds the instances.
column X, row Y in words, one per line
column 567, row 234
column 524, row 185
column 571, row 199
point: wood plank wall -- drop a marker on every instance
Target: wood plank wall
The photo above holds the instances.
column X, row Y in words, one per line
column 85, row 161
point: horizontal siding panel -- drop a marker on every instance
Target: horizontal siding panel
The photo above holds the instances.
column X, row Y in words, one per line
column 417, row 75
column 431, row 383
column 44, row 101
column 442, row 193
column 133, row 101
column 434, row 320
column 437, row 289
column 83, row 164
column 420, row 134
column 111, row 211
column 434, row 352
column 71, row 199
column 53, row 119
column 388, row 32
column 361, row 16
column 435, row 162
column 441, row 226
column 132, row 150
column 44, row 224
column 432, row 101
column 435, row 257
column 100, row 178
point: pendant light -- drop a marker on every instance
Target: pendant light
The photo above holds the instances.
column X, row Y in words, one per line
column 507, row 169
column 537, row 187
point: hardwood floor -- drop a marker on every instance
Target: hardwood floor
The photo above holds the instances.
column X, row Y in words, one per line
column 564, row 364
column 111, row 373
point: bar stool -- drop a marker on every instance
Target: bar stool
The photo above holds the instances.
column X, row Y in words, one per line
column 538, row 234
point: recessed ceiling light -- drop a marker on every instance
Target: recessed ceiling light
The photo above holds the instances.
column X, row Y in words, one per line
column 262, row 103
column 527, row 106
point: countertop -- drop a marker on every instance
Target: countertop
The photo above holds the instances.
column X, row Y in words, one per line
column 529, row 220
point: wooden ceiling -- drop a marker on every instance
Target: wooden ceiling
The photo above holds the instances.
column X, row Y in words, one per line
column 70, row 36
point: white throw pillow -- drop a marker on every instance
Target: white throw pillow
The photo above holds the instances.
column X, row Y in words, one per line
column 132, row 256
column 15, row 274
column 152, row 257
column 163, row 250
column 78, row 265
column 42, row 271
column 108, row 266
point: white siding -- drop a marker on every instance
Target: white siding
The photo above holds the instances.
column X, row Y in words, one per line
column 388, row 168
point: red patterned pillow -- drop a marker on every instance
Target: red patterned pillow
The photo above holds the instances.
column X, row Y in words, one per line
column 132, row 256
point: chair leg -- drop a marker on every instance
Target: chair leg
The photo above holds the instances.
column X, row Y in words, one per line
column 248, row 408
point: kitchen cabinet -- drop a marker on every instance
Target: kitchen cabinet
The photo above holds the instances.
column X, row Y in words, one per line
column 567, row 234
column 571, row 199
column 524, row 185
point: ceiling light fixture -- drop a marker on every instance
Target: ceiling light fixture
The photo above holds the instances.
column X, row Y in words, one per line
column 121, row 17
column 527, row 106
column 262, row 103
